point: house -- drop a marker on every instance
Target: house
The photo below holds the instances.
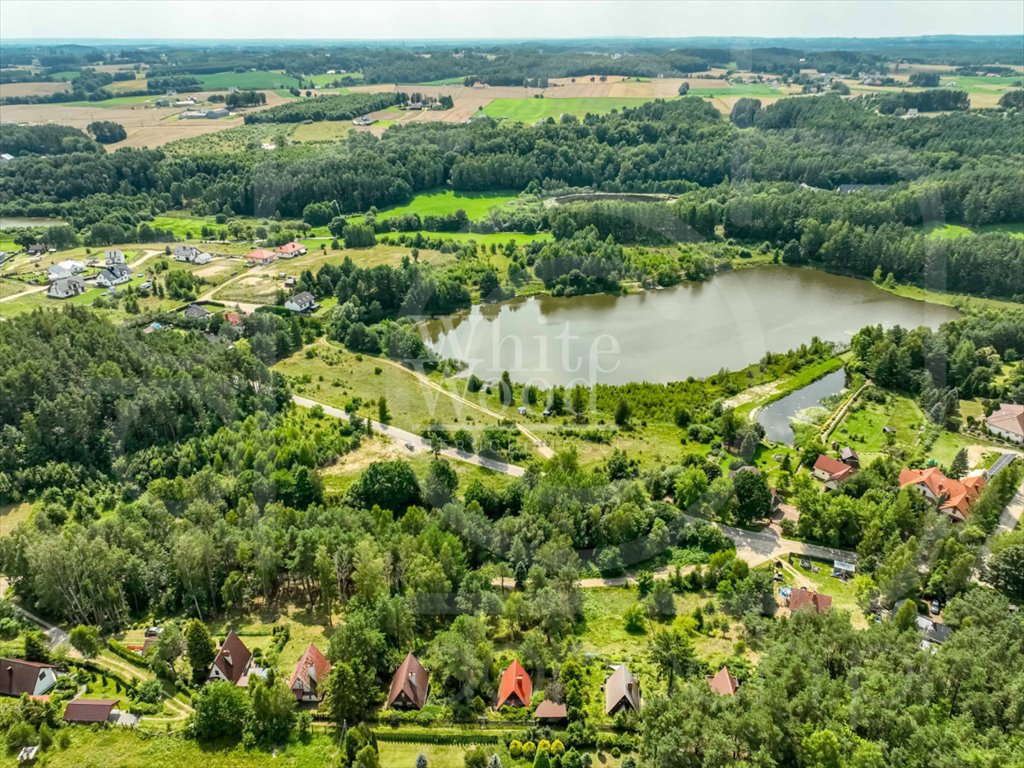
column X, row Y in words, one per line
column 621, row 691
column 191, row 254
column 290, row 250
column 57, row 272
column 723, row 682
column 849, row 456
column 234, row 319
column 115, row 274
column 831, row 471
column 804, row 599
column 65, row 269
column 163, row 103
column 233, row 661
column 36, row 249
column 954, row 497
column 89, row 711
column 516, row 688
column 66, row 287
column 301, row 302
column 310, row 673
column 113, row 256
column 364, row 120
column 260, row 256
column 1007, row 422
column 550, row 713
column 409, row 686
column 6, row 157
column 18, row 677
column 934, row 634
column 197, row 311
column 213, row 114
column 189, row 102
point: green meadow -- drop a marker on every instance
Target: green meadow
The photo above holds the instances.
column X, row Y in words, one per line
column 947, row 231
column 442, row 202
column 532, row 110
column 221, row 81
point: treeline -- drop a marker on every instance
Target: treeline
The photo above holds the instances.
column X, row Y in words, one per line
column 44, row 140
column 343, row 107
column 936, row 100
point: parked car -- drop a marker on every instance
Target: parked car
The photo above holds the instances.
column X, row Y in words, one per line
column 935, row 607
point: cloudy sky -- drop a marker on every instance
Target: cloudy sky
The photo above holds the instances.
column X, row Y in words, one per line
column 409, row 19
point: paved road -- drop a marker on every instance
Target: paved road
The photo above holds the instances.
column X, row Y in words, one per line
column 761, row 546
column 1012, row 513
column 419, row 444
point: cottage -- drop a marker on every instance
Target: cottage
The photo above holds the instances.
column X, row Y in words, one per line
column 233, row 662
column 1007, row 422
column 301, row 302
column 36, row 249
column 114, row 256
column 549, row 712
column 954, row 497
column 724, row 683
column 260, row 256
column 933, row 633
column 831, row 471
column 18, row 677
column 805, row 599
column 516, row 688
column 196, row 311
column 115, row 274
column 89, row 711
column 849, row 457
column 409, row 686
column 66, row 287
column 191, row 254
column 621, row 691
column 310, row 673
column 290, row 250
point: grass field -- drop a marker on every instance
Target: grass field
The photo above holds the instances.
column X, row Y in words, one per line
column 533, row 110
column 442, row 202
column 948, row 231
column 11, row 515
column 119, row 101
column 499, row 238
column 328, row 130
column 221, row 81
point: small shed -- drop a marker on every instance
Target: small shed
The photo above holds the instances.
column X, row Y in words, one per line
column 89, row 711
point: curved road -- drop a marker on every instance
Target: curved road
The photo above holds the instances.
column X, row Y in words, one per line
column 418, row 444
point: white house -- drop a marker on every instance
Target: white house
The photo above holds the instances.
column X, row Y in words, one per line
column 66, row 287
column 301, row 302
column 1007, row 422
column 114, row 274
column 114, row 256
column 191, row 254
column 18, row 677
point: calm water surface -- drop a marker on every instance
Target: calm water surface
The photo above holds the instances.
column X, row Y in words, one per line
column 7, row 222
column 776, row 417
column 660, row 336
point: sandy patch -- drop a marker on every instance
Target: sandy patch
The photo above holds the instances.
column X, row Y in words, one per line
column 214, row 269
column 378, row 449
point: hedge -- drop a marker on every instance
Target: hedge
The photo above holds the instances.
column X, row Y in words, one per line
column 128, row 655
column 451, row 739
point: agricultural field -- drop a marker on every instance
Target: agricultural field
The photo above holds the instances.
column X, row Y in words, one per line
column 534, row 110
column 221, row 81
column 327, row 130
column 12, row 90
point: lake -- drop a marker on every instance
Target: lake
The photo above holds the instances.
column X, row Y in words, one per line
column 694, row 329
column 776, row 417
column 9, row 222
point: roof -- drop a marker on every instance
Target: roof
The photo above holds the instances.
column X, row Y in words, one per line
column 1009, row 418
column 18, row 676
column 549, row 710
column 846, row 453
column 933, row 631
column 621, row 685
column 514, row 681
column 261, row 254
column 833, row 467
column 313, row 660
column 291, row 247
column 232, row 658
column 412, row 680
column 89, row 710
column 303, row 299
column 800, row 598
column 196, row 310
column 723, row 682
column 233, row 317
column 954, row 497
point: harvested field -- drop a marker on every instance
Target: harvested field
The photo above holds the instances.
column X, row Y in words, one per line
column 10, row 90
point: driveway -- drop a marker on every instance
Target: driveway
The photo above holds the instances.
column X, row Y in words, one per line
column 759, row 547
column 418, row 444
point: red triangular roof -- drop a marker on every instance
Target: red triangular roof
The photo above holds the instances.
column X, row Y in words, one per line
column 514, row 683
column 411, row 683
column 311, row 659
column 723, row 683
column 804, row 598
column 233, row 658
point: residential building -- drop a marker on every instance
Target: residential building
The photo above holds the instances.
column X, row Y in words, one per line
column 89, row 711
column 18, row 677
column 549, row 712
column 6, row 157
column 66, row 287
column 196, row 311
column 621, row 691
column 933, row 633
column 723, row 682
column 114, row 274
column 301, row 302
column 1007, row 422
column 410, row 685
column 36, row 249
column 260, row 256
column 290, row 250
column 805, row 599
column 233, row 662
column 114, row 256
column 849, row 456
column 57, row 272
column 954, row 497
column 191, row 254
column 309, row 675
column 831, row 471
column 516, row 688
column 65, row 269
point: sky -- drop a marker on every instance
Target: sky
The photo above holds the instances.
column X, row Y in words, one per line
column 533, row 19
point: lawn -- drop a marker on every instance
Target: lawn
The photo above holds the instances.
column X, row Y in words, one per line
column 221, row 81
column 499, row 238
column 533, row 110
column 444, row 201
column 326, row 130
column 947, row 231
column 11, row 515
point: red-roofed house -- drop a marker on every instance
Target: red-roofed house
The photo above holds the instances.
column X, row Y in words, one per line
column 951, row 496
column 409, row 686
column 1007, row 422
column 261, row 256
column 831, row 471
column 723, row 683
column 232, row 661
column 290, row 250
column 234, row 319
column 18, row 676
column 309, row 675
column 516, row 688
column 800, row 599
